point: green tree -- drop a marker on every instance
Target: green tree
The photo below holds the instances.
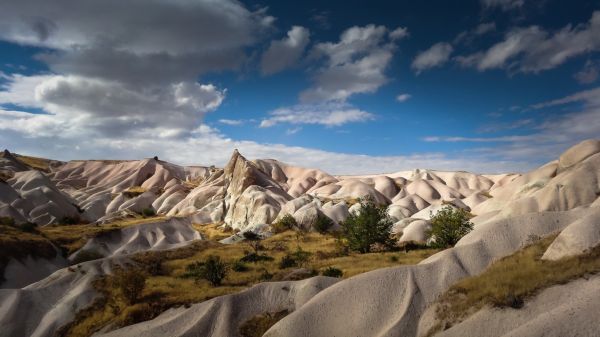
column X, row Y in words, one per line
column 213, row 270
column 286, row 222
column 370, row 225
column 448, row 226
column 322, row 223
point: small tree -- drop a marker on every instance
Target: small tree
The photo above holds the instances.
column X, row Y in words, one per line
column 322, row 223
column 286, row 222
column 332, row 272
column 213, row 270
column 253, row 240
column 131, row 283
column 448, row 226
column 370, row 225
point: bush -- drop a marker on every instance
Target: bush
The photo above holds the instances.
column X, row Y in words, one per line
column 322, row 224
column 86, row 255
column 287, row 262
column 28, row 227
column 148, row 212
column 213, row 270
column 68, row 220
column 253, row 257
column 256, row 326
column 370, row 225
column 299, row 258
column 239, row 267
column 131, row 283
column 253, row 240
column 285, row 223
column 332, row 272
column 448, row 226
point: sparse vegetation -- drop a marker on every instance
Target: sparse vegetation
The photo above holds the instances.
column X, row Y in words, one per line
column 257, row 326
column 510, row 281
column 286, row 222
column 169, row 288
column 87, row 255
column 332, row 272
column 448, row 226
column 253, row 240
column 134, row 191
column 369, row 226
column 131, row 283
column 148, row 212
column 213, row 270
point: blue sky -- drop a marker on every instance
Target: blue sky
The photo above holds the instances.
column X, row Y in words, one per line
column 346, row 86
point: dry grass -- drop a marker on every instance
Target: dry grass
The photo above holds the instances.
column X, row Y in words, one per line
column 17, row 244
column 36, row 163
column 73, row 237
column 134, row 191
column 510, row 281
column 167, row 287
column 257, row 326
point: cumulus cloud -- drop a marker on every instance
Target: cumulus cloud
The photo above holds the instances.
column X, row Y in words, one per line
column 403, row 97
column 533, row 49
column 123, row 41
column 286, row 52
column 435, row 56
column 83, row 105
column 354, row 65
column 231, row 121
column 328, row 114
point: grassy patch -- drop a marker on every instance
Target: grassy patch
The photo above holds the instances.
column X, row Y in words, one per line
column 134, row 191
column 257, row 326
column 166, row 285
column 18, row 244
column 510, row 281
column 41, row 164
column 73, row 237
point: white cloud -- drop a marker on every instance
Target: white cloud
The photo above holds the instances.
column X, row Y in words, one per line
column 354, row 65
column 545, row 140
column 286, row 52
column 399, row 33
column 231, row 121
column 533, row 49
column 435, row 56
column 82, row 105
column 403, row 97
column 293, row 131
column 589, row 73
column 503, row 4
column 328, row 114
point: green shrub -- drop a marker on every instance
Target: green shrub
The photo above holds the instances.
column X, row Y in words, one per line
column 28, row 227
column 448, row 226
column 86, row 255
column 69, row 220
column 285, row 223
column 253, row 240
column 370, row 225
column 131, row 283
column 332, row 272
column 322, row 224
column 148, row 212
column 213, row 270
column 287, row 262
column 265, row 275
column 239, row 267
column 253, row 257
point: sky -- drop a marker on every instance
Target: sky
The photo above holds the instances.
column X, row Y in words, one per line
column 350, row 87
